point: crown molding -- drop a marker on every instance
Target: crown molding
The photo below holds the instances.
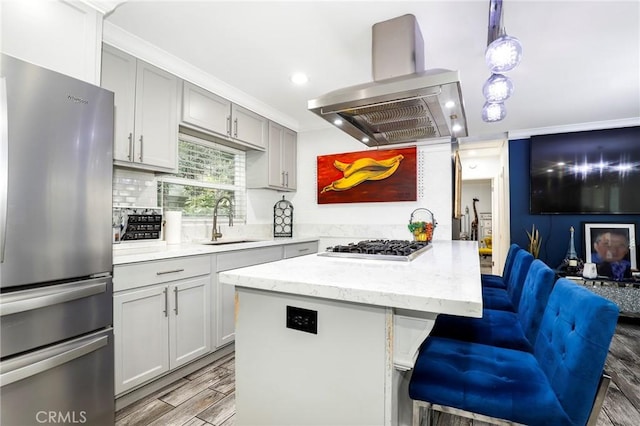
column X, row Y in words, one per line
column 578, row 127
column 104, row 6
column 142, row 49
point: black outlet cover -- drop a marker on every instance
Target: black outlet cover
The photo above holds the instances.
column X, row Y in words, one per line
column 302, row 319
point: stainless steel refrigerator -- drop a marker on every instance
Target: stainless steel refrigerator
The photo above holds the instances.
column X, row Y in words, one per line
column 56, row 336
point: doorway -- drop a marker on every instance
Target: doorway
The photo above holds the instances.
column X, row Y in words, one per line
column 484, row 178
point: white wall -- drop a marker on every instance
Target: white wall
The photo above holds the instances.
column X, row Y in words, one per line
column 475, row 168
column 480, row 189
column 356, row 221
column 64, row 36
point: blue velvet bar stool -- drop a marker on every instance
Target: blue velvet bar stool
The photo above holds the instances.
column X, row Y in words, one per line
column 559, row 384
column 509, row 298
column 491, row 280
column 515, row 330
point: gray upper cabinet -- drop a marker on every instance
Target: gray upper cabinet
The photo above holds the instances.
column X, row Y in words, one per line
column 288, row 158
column 276, row 168
column 146, row 102
column 206, row 111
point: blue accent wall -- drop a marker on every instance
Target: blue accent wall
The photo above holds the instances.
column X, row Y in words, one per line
column 554, row 228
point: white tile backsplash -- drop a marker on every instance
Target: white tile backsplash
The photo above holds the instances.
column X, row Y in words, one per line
column 200, row 230
column 134, row 188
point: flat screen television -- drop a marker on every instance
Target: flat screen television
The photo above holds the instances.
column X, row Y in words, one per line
column 586, row 172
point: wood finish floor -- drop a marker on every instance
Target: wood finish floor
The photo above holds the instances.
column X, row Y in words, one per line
column 207, row 396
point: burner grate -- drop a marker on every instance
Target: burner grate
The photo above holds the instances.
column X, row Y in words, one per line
column 402, row 250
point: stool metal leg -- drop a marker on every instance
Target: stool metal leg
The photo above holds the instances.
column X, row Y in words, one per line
column 419, row 408
column 417, row 414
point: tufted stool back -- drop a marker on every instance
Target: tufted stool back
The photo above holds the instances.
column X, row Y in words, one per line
column 500, row 281
column 521, row 263
column 572, row 345
column 508, row 262
column 533, row 301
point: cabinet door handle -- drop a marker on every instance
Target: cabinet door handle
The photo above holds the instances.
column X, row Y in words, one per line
column 282, row 178
column 287, row 181
column 4, row 165
column 235, row 128
column 228, row 125
column 141, row 145
column 166, row 302
column 173, row 271
column 302, row 250
column 175, row 296
column 130, row 156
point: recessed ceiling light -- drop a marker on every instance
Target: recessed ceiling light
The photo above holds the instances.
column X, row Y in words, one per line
column 337, row 121
column 456, row 127
column 299, row 78
column 450, row 104
column 365, row 139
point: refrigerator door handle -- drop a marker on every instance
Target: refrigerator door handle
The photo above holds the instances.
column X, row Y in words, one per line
column 46, row 296
column 35, row 364
column 4, row 165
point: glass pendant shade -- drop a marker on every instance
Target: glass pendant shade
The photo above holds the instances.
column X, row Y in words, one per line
column 503, row 54
column 492, row 112
column 497, row 88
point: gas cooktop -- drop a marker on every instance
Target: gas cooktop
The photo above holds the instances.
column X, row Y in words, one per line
column 399, row 250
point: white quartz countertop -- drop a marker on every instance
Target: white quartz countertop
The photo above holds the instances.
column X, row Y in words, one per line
column 132, row 254
column 444, row 279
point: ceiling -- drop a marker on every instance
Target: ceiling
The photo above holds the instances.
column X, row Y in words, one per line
column 581, row 61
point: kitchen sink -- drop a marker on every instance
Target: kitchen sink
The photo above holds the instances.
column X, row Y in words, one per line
column 225, row 242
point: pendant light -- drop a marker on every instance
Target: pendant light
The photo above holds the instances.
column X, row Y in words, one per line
column 492, row 112
column 503, row 53
column 498, row 88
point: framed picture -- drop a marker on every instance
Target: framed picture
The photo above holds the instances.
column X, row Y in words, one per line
column 368, row 176
column 612, row 247
column 457, row 186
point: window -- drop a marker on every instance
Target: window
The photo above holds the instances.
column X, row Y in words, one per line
column 206, row 172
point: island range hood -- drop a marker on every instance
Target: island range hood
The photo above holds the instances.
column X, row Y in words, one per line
column 404, row 103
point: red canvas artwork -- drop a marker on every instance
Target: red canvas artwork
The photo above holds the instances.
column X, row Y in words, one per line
column 367, row 176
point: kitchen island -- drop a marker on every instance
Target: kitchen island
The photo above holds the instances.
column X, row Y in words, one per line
column 331, row 341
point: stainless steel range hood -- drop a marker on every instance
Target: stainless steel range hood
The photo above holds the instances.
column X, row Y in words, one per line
column 404, row 103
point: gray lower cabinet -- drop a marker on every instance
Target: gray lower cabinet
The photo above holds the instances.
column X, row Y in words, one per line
column 299, row 249
column 167, row 313
column 225, row 320
column 225, row 314
column 161, row 319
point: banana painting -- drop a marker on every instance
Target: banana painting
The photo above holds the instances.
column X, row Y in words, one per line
column 361, row 170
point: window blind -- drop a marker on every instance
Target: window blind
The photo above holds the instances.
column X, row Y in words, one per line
column 206, row 172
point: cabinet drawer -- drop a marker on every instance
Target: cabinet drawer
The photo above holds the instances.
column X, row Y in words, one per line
column 242, row 258
column 293, row 250
column 141, row 274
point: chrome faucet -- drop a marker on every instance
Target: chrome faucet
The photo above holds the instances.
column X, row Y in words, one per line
column 215, row 234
